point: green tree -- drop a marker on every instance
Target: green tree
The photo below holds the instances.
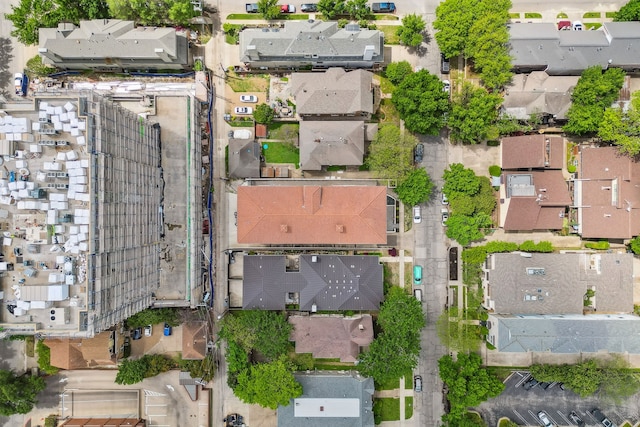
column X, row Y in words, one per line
column 468, row 384
column 391, row 153
column 421, row 102
column 44, row 359
column 634, row 245
column 594, row 92
column 462, row 204
column 181, row 12
column 331, row 8
column 396, row 349
column 411, row 31
column 153, row 316
column 456, row 333
column 264, row 114
column 458, row 179
column 416, row 188
column 466, row 229
column 266, row 332
column 476, row 254
column 629, row 12
column 357, row 9
column 453, row 21
column 131, row 371
column 30, row 15
column 268, row 384
column 622, row 128
column 484, row 200
column 18, row 393
column 472, row 112
column 619, row 381
column 269, row 9
column 35, row 67
column 397, row 71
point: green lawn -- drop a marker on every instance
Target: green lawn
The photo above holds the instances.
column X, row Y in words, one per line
column 592, row 15
column 253, row 83
column 532, row 15
column 514, row 15
column 385, row 18
column 257, row 16
column 285, row 132
column 390, row 36
column 408, row 380
column 562, row 15
column 385, row 84
column 388, row 113
column 408, row 407
column 594, row 25
column 388, row 385
column 610, row 15
column 386, row 409
column 281, row 152
column 241, row 123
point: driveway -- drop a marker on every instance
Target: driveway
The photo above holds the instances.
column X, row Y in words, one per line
column 521, row 405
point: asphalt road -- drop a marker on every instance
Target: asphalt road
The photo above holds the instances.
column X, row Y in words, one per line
column 17, row 55
column 522, row 406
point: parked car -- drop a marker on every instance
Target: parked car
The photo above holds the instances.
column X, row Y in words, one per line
column 418, row 294
column 287, row 8
column 136, row 334
column 248, row 98
column 446, row 86
column 576, row 419
column 453, row 263
column 386, row 7
column 544, row 418
column 309, row 7
column 21, row 83
column 418, row 153
column 417, row 383
column 530, row 383
column 606, row 422
column 564, row 25
column 445, row 216
column 417, row 274
column 577, row 26
column 167, row 329
column 544, row 385
column 445, row 200
column 148, row 330
column 243, row 110
column 444, row 64
column 251, row 7
column 417, row 215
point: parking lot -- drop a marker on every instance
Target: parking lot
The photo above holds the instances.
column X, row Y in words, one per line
column 522, row 406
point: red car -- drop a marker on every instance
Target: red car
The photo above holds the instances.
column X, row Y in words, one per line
column 287, row 8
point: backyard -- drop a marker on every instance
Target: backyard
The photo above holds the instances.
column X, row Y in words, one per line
column 280, row 152
column 253, row 83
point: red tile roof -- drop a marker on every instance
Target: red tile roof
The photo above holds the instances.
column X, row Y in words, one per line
column 530, row 151
column 312, row 214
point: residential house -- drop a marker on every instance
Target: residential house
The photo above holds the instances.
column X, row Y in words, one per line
column 542, row 47
column 332, row 337
column 113, row 45
column 330, row 399
column 245, row 158
column 551, row 284
column 534, row 194
column 80, row 353
column 335, row 94
column 194, row 340
column 606, row 195
column 328, row 143
column 318, row 44
column 312, row 214
column 539, row 94
column 312, row 282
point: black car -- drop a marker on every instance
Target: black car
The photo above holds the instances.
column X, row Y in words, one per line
column 418, row 153
column 309, row 7
column 576, row 419
column 606, row 422
column 136, row 334
column 544, row 385
column 444, row 64
column 531, row 383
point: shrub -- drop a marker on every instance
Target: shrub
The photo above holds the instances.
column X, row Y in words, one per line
column 530, row 246
column 493, row 143
column 601, row 245
column 495, row 170
column 634, row 245
column 153, row 316
column 44, row 359
column 397, row 71
column 474, row 255
column 499, row 246
column 571, row 168
column 51, row 421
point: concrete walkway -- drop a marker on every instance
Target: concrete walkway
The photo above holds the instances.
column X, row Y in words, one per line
column 399, row 393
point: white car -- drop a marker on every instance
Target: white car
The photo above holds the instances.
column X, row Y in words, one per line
column 445, row 200
column 446, row 86
column 248, row 98
column 243, row 110
column 417, row 215
column 148, row 330
column 545, row 419
column 577, row 26
column 445, row 216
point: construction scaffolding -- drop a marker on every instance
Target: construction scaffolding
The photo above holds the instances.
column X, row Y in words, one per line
column 126, row 211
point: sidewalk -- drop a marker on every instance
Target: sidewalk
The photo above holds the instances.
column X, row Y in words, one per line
column 401, row 394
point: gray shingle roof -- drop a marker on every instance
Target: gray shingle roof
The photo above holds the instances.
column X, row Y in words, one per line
column 244, row 158
column 325, row 143
column 109, row 42
column 538, row 93
column 542, row 46
column 568, row 334
column 309, row 39
column 331, row 283
column 337, row 394
column 561, row 283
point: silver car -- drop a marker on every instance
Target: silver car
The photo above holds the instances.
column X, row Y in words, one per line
column 544, row 418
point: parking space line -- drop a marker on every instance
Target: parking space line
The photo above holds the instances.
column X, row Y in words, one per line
column 564, row 418
column 535, row 417
column 523, row 380
column 517, row 414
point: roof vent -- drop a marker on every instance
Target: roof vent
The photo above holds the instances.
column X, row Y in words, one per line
column 284, row 228
column 340, row 228
column 361, row 327
column 314, row 258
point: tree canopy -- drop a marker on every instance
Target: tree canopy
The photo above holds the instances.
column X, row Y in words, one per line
column 331, row 8
column 269, row 9
column 268, row 384
column 472, row 113
column 460, row 180
column 594, row 92
column 421, row 102
column 264, row 114
column 622, row 128
column 416, row 188
column 391, row 153
column 152, row 13
column 258, row 330
column 357, row 9
column 453, row 21
column 149, row 365
column 411, row 31
column 466, row 229
column 629, row 12
column 457, row 334
column 18, row 393
column 468, row 384
column 153, row 316
column 396, row 349
column 397, row 71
